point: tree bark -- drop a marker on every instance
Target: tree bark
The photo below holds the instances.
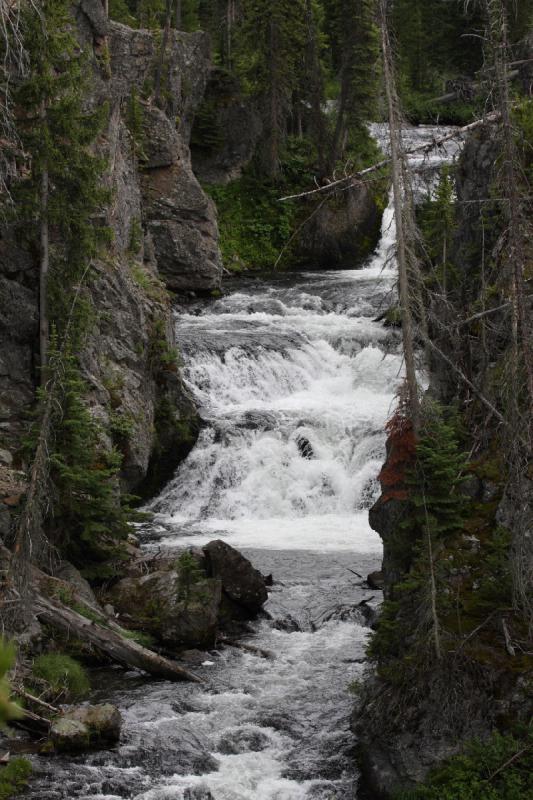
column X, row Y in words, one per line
column 177, row 15
column 398, row 193
column 274, row 111
column 161, row 60
column 119, row 649
column 44, row 265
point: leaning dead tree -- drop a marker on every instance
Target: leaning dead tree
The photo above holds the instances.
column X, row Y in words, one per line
column 399, row 188
column 515, row 249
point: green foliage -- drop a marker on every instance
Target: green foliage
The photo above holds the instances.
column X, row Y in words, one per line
column 189, row 574
column 437, row 221
column 8, row 709
column 144, row 639
column 87, row 521
column 57, row 131
column 498, row 769
column 14, row 777
column 136, row 236
column 121, row 424
column 162, row 355
column 253, row 225
column 434, row 510
column 65, row 676
column 435, row 496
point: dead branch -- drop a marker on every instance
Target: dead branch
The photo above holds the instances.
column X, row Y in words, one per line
column 495, row 116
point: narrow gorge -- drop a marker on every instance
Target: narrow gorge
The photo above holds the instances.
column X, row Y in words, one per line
column 265, row 400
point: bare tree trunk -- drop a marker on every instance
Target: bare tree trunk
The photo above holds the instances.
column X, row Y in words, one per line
column 162, row 53
column 178, row 15
column 398, row 192
column 520, row 434
column 340, row 124
column 516, row 245
column 316, row 89
column 274, row 110
column 44, row 266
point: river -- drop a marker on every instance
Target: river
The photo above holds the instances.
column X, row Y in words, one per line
column 295, row 380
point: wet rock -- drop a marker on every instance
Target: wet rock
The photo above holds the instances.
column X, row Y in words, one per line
column 376, row 580
column 305, row 447
column 243, row 740
column 163, row 605
column 197, row 793
column 241, row 582
column 87, row 727
column 69, row 735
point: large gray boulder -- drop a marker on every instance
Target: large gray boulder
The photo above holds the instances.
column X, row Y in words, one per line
column 241, row 582
column 178, row 613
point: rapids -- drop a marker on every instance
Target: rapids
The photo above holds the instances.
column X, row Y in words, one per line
column 295, row 379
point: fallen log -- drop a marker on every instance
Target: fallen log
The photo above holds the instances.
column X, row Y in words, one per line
column 110, row 642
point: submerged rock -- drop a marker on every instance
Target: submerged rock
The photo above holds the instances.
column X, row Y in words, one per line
column 86, row 727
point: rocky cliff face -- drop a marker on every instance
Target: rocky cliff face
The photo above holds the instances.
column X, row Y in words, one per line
column 164, row 237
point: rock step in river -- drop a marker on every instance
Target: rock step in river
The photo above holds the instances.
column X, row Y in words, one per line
column 295, row 380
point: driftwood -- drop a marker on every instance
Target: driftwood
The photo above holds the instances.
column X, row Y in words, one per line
column 110, row 642
column 20, row 692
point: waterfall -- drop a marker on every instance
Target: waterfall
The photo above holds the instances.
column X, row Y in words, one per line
column 294, row 378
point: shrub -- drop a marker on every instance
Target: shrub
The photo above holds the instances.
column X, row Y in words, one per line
column 66, row 677
column 8, row 709
column 14, row 777
column 498, row 769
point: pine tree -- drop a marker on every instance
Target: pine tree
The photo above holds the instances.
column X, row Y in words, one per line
column 272, row 38
column 357, row 43
column 63, row 191
column 86, row 521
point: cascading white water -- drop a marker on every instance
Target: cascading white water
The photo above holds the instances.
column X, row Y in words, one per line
column 295, row 384
column 295, row 379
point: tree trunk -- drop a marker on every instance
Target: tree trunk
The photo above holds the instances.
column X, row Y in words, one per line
column 118, row 648
column 397, row 184
column 274, row 110
column 178, row 15
column 317, row 92
column 44, row 265
column 162, row 53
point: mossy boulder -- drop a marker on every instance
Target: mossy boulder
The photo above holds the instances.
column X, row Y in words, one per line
column 176, row 612
column 85, row 727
